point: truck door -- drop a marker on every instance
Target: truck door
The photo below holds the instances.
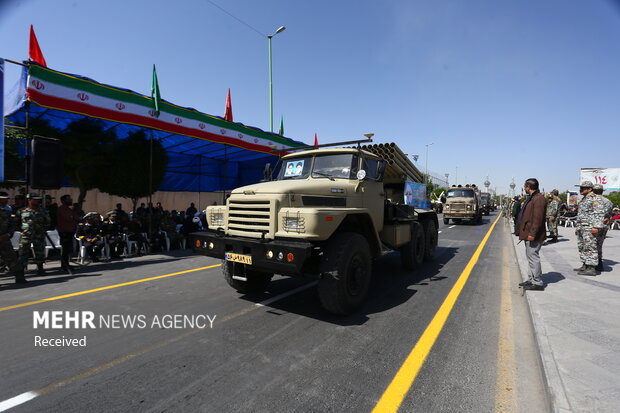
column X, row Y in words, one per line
column 373, row 193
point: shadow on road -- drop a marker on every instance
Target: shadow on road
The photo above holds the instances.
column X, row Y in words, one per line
column 391, row 286
column 552, row 277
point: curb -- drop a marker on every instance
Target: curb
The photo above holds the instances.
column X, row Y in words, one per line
column 555, row 386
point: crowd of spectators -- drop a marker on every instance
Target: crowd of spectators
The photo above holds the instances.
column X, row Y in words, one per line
column 149, row 229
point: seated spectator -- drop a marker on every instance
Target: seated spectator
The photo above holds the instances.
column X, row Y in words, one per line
column 169, row 226
column 111, row 229
column 135, row 232
column 89, row 232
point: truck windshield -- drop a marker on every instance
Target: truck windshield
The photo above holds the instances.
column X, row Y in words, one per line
column 331, row 166
column 485, row 197
column 461, row 193
column 335, row 166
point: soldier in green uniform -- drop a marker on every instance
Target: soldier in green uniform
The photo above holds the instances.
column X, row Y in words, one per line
column 34, row 222
column 553, row 211
column 7, row 253
column 604, row 210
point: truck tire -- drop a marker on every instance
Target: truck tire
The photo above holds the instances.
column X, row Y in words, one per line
column 412, row 253
column 347, row 270
column 446, row 221
column 430, row 236
column 256, row 281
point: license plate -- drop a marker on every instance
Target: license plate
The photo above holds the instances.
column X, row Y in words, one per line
column 243, row 259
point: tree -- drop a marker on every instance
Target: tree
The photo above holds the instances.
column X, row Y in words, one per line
column 614, row 197
column 15, row 149
column 89, row 152
column 128, row 176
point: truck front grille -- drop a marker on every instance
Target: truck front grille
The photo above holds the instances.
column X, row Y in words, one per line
column 458, row 207
column 251, row 218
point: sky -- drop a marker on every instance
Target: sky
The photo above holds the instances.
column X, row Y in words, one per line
column 506, row 89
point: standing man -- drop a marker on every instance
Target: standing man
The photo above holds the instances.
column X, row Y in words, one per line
column 7, row 253
column 516, row 209
column 589, row 225
column 553, row 211
column 605, row 208
column 34, row 222
column 532, row 231
column 68, row 220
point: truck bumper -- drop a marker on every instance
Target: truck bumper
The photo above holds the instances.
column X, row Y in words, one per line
column 289, row 257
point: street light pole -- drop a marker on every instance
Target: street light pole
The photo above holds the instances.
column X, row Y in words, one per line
column 427, row 145
column 279, row 30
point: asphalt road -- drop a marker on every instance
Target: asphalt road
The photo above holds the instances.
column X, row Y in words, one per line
column 279, row 350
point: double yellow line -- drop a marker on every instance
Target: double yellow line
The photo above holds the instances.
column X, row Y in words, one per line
column 109, row 287
column 395, row 393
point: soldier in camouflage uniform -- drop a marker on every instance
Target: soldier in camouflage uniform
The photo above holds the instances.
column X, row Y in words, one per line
column 34, row 222
column 605, row 210
column 553, row 211
column 7, row 253
column 589, row 223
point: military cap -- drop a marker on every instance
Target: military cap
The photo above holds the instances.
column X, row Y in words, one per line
column 555, row 192
column 112, row 212
column 90, row 214
column 33, row 195
column 4, row 195
column 598, row 187
column 586, row 184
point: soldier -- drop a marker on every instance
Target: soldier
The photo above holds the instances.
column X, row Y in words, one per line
column 89, row 232
column 553, row 211
column 112, row 231
column 34, row 222
column 604, row 210
column 7, row 253
column 589, row 223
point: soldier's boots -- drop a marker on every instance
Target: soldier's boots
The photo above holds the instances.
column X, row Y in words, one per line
column 589, row 270
column 583, row 267
column 19, row 277
column 599, row 266
column 40, row 270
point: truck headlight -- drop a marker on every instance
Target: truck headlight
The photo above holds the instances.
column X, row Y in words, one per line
column 295, row 224
column 216, row 218
column 469, row 207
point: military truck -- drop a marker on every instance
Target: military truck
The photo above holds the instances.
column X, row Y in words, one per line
column 326, row 216
column 486, row 203
column 462, row 202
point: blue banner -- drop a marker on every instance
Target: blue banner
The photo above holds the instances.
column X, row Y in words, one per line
column 415, row 195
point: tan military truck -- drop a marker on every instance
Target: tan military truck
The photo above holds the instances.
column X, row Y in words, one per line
column 326, row 216
column 462, row 202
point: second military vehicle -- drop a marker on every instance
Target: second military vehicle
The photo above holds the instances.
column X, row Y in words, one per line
column 326, row 216
column 462, row 202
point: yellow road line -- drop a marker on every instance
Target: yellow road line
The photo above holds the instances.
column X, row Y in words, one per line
column 505, row 382
column 109, row 287
column 395, row 393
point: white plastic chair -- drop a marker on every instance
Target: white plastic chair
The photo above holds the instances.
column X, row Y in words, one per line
column 55, row 238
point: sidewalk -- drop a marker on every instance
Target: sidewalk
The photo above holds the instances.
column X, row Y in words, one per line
column 577, row 325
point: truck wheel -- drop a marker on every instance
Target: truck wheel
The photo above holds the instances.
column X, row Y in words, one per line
column 412, row 253
column 446, row 221
column 430, row 235
column 256, row 280
column 347, row 269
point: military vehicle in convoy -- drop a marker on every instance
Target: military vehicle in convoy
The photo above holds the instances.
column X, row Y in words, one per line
column 462, row 202
column 326, row 216
column 486, row 203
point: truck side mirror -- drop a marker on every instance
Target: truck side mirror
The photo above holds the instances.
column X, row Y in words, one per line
column 267, row 172
column 381, row 170
column 443, row 199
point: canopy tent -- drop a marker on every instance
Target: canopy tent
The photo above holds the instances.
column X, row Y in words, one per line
column 205, row 152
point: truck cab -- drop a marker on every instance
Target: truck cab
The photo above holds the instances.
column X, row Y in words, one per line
column 462, row 202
